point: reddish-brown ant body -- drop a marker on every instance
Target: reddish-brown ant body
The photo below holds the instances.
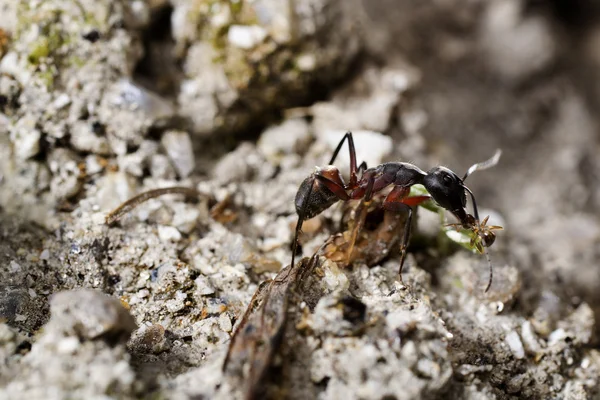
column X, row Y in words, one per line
column 325, row 187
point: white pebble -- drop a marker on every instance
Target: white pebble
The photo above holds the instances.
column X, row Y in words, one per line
column 284, row 138
column 68, row 345
column 516, row 346
column 45, row 254
column 178, row 146
column 14, row 266
column 556, row 336
column 245, row 37
column 225, row 322
column 203, row 286
column 168, row 233
column 27, row 143
column 61, row 101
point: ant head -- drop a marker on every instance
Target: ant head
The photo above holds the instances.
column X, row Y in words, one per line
column 448, row 190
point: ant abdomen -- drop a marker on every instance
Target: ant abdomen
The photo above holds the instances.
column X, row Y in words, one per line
column 313, row 197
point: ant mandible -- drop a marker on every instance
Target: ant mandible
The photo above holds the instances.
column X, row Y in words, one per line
column 325, row 187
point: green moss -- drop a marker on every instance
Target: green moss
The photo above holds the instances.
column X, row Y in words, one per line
column 50, row 52
column 47, row 77
column 39, row 51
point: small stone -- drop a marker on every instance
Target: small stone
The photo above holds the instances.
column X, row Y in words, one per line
column 529, row 338
column 334, row 279
column 45, row 255
column 178, row 146
column 90, row 314
column 64, row 165
column 61, row 101
column 285, row 138
column 516, row 346
column 178, row 303
column 246, row 37
column 556, row 336
column 203, row 286
column 225, row 322
column 428, row 368
column 93, row 165
column 126, row 94
column 84, row 139
column 113, row 189
column 161, row 168
column 150, row 338
column 168, row 234
column 306, row 62
column 14, row 266
column 26, row 143
column 68, row 345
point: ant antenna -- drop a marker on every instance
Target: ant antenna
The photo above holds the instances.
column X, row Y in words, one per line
column 295, row 244
column 475, row 212
column 491, row 270
column 484, row 164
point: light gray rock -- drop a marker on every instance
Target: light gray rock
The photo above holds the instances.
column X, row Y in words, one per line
column 90, row 315
column 179, row 148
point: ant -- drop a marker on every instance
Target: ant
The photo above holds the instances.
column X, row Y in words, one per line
column 325, row 187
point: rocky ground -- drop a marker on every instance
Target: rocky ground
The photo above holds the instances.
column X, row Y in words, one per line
column 101, row 100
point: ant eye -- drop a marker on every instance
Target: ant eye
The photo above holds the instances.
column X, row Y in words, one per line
column 447, row 179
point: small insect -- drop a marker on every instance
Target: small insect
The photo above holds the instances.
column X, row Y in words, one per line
column 326, row 186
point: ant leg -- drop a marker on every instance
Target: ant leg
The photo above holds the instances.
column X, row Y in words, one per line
column 361, row 168
column 362, row 215
column 396, row 200
column 352, row 150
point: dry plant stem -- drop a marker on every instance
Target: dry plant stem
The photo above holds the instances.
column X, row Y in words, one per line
column 135, row 201
column 491, row 273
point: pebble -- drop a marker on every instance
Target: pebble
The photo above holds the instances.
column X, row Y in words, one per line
column 14, row 266
column 246, row 37
column 516, row 346
column 68, row 345
column 26, row 142
column 203, row 286
column 168, row 233
column 178, row 146
column 126, row 94
column 225, row 322
column 89, row 314
column 45, row 254
column 284, row 138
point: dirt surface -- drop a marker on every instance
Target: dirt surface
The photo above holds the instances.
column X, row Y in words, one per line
column 240, row 100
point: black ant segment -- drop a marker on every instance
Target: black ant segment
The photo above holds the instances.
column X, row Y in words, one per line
column 326, row 186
